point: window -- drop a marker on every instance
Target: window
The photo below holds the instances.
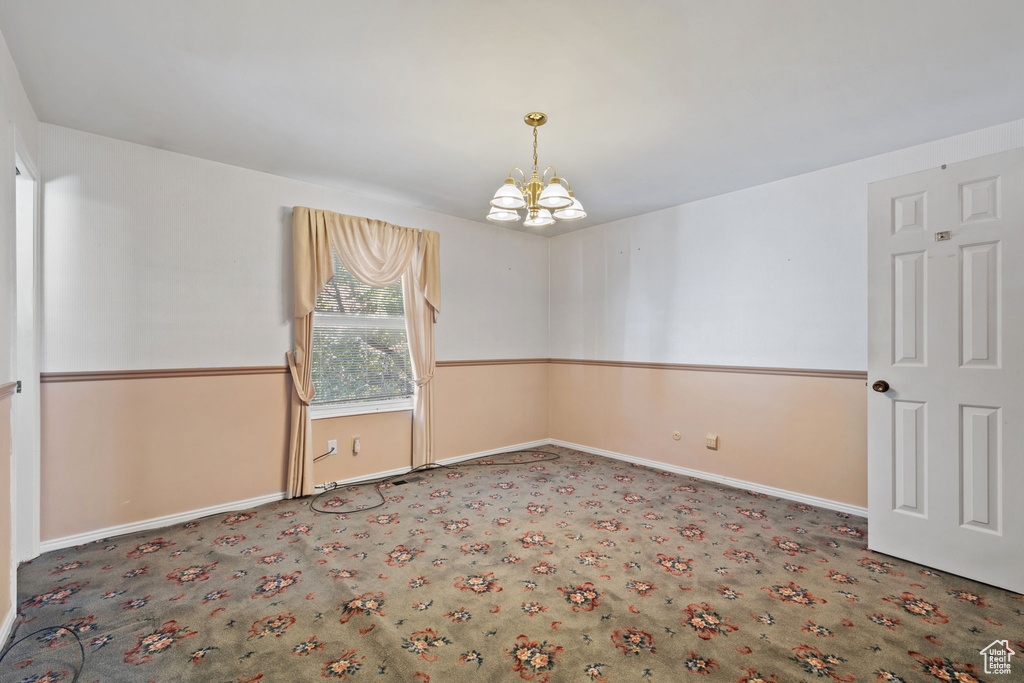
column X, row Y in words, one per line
column 360, row 352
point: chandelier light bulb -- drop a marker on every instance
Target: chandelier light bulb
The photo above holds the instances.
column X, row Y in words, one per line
column 502, row 215
column 509, row 196
column 554, row 196
column 571, row 213
column 539, row 218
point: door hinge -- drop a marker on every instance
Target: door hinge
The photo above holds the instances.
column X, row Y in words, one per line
column 17, row 387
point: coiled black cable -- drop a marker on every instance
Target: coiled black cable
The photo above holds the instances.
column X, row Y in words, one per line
column 377, row 483
column 81, row 647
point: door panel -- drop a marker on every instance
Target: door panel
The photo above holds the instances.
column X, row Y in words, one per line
column 909, row 456
column 979, row 305
column 946, row 331
column 979, row 478
column 909, row 306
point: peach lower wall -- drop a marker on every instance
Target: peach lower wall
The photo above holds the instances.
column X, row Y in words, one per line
column 119, row 451
column 5, row 507
column 476, row 408
column 385, row 444
column 126, row 450
column 483, row 407
column 803, row 434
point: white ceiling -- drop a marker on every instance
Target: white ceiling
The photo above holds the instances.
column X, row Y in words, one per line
column 651, row 103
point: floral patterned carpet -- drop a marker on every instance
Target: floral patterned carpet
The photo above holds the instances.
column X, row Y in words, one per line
column 581, row 569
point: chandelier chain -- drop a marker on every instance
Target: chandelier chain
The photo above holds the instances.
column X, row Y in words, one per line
column 534, row 149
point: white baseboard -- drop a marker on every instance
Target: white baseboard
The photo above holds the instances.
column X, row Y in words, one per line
column 720, row 479
column 155, row 522
column 446, row 461
column 366, row 477
column 495, row 451
column 181, row 517
column 7, row 624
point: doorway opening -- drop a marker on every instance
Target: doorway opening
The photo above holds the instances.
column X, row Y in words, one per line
column 25, row 415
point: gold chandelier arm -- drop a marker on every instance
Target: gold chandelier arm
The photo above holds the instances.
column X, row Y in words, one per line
column 521, row 173
column 554, row 175
column 555, row 178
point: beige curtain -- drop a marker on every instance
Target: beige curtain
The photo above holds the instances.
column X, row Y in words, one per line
column 421, row 290
column 377, row 254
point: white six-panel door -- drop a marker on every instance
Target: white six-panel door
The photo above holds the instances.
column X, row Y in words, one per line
column 946, row 332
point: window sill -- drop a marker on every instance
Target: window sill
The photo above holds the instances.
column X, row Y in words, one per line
column 344, row 410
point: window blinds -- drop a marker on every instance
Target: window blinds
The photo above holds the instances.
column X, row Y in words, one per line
column 360, row 350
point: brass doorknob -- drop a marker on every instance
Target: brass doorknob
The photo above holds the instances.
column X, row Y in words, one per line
column 881, row 386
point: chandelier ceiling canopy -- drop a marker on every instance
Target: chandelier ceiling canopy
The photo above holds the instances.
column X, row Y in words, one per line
column 545, row 200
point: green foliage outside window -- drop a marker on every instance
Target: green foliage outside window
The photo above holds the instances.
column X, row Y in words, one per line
column 360, row 350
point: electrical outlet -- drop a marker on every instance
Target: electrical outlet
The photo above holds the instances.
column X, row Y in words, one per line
column 355, row 445
column 332, row 447
column 712, row 442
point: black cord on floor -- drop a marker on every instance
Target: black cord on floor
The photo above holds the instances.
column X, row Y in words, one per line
column 377, row 483
column 81, row 647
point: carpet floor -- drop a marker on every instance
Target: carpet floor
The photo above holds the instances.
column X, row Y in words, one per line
column 581, row 569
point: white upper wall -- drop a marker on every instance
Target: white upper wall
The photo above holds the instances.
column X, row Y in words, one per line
column 773, row 275
column 154, row 259
column 14, row 103
column 17, row 120
column 158, row 260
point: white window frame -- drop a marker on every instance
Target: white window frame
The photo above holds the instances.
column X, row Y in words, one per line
column 343, row 409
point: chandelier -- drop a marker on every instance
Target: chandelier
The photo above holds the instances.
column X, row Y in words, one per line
column 544, row 205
